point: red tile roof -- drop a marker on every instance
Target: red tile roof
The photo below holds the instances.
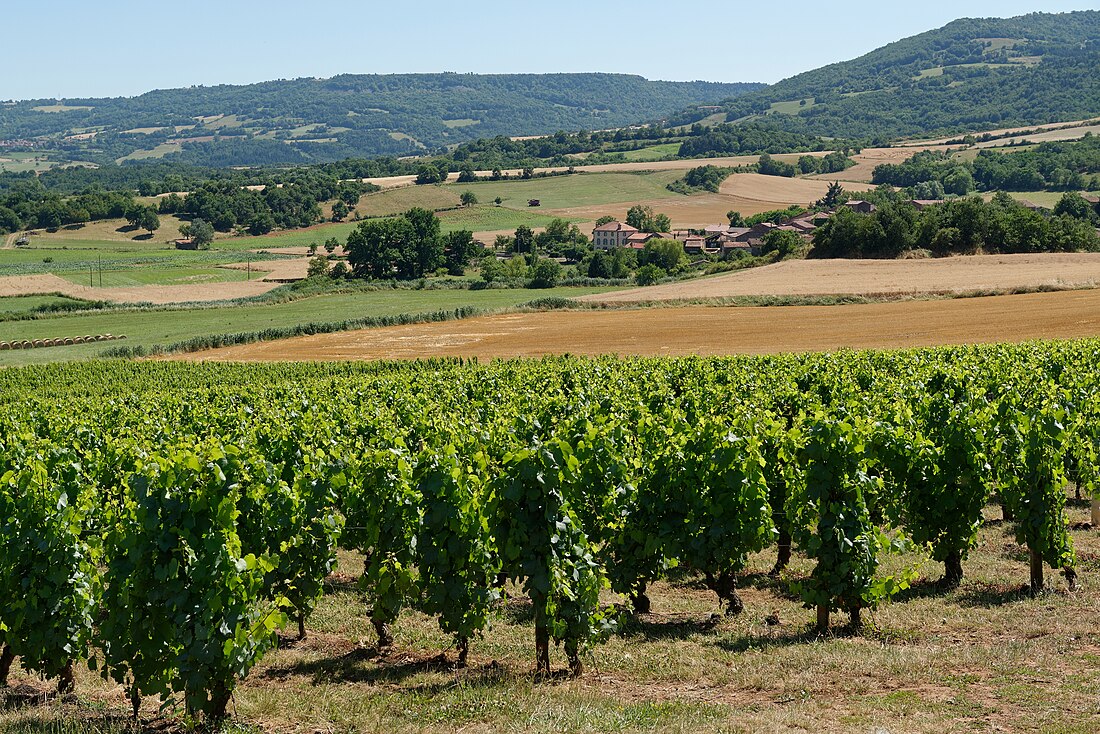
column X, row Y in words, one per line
column 615, row 227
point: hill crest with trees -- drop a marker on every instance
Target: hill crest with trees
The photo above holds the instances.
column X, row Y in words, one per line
column 314, row 120
column 972, row 74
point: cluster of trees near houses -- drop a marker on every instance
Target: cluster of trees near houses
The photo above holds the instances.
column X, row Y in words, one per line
column 412, row 246
column 963, row 225
column 1054, row 166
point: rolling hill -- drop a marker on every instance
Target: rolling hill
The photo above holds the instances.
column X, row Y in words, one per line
column 304, row 120
column 972, row 74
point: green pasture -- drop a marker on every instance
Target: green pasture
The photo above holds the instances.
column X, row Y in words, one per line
column 653, row 152
column 26, row 304
column 792, row 107
column 584, row 189
column 484, row 218
column 152, row 275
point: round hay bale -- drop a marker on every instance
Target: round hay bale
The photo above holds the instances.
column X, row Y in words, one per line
column 69, row 341
column 27, row 344
column 100, row 338
column 47, row 343
column 36, row 343
column 89, row 338
column 4, row 346
column 78, row 340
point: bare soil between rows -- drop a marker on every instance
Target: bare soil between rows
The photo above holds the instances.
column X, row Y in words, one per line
column 702, row 330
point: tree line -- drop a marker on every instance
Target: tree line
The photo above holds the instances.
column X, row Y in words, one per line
column 1054, row 166
column 959, row 226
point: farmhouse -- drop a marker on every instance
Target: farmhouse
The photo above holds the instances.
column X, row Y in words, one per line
column 638, row 239
column 858, row 205
column 611, row 235
column 922, row 204
column 694, row 244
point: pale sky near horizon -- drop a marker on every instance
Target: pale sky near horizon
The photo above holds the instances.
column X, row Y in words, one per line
column 74, row 48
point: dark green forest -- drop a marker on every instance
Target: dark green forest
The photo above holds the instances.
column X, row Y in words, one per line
column 972, row 74
column 312, row 120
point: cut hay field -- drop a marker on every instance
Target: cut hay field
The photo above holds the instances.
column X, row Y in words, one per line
column 1009, row 130
column 868, row 158
column 883, row 277
column 150, row 327
column 772, row 189
column 1047, row 136
column 702, row 330
column 983, row 657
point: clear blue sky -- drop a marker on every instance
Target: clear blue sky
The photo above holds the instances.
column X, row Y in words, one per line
column 71, row 48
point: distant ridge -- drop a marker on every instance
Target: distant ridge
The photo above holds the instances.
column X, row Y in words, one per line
column 308, row 120
column 972, row 74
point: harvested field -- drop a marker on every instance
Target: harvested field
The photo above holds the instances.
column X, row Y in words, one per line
column 25, row 285
column 757, row 187
column 276, row 270
column 31, row 285
column 1005, row 131
column 702, row 330
column 881, row 277
column 389, row 182
column 871, row 157
column 1073, row 133
column 697, row 210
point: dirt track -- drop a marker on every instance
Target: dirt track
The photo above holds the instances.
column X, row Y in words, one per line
column 880, row 277
column 703, row 330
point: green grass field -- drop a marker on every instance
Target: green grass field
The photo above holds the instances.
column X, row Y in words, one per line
column 792, row 107
column 147, row 328
column 652, row 152
column 394, row 201
column 487, row 218
column 562, row 192
column 26, row 304
column 154, row 275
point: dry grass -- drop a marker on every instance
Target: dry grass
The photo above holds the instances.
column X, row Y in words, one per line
column 1073, row 133
column 1008, row 130
column 984, row 657
column 110, row 230
column 22, row 285
column 757, row 187
column 871, row 157
column 703, row 330
column 879, row 277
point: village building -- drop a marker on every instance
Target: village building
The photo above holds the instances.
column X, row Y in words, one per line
column 860, row 206
column 638, row 239
column 611, row 235
column 922, row 204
